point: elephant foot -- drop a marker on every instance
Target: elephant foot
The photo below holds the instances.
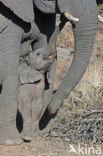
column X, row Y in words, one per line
column 26, row 133
column 9, row 135
column 35, row 134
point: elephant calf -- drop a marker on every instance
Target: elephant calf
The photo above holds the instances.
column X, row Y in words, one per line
column 36, row 76
column 32, row 73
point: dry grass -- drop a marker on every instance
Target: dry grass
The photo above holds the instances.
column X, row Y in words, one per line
column 86, row 98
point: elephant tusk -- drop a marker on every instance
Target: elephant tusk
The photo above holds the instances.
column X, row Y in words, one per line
column 70, row 17
column 100, row 18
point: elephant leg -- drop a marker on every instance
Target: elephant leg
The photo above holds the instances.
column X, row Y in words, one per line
column 37, row 106
column 49, row 86
column 10, row 42
column 24, row 106
column 46, row 121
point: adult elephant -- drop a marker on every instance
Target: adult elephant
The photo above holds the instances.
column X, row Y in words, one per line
column 15, row 26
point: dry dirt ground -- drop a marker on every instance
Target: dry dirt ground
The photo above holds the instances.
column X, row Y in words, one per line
column 80, row 121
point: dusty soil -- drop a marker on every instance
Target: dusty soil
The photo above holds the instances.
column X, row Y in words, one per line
column 87, row 94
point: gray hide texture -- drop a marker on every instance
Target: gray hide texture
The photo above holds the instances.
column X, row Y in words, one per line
column 22, row 8
column 3, row 23
column 45, row 5
column 28, row 75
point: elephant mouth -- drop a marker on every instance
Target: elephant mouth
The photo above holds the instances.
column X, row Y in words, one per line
column 51, row 55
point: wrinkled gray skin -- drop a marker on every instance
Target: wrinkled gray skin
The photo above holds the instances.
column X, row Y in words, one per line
column 16, row 27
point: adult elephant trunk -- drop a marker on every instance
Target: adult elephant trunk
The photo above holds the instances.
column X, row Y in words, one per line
column 84, row 34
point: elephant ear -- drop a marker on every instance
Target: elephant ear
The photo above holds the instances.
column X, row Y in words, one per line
column 46, row 6
column 28, row 75
column 22, row 8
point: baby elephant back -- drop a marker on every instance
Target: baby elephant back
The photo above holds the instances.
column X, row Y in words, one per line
column 22, row 8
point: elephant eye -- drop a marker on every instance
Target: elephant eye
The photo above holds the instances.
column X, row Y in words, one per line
column 38, row 54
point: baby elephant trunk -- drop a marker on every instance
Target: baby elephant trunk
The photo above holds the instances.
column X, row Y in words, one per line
column 51, row 49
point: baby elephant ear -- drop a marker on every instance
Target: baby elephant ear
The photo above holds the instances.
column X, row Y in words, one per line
column 22, row 8
column 28, row 75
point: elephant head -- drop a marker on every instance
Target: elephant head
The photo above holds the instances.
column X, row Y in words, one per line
column 42, row 58
column 51, row 7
